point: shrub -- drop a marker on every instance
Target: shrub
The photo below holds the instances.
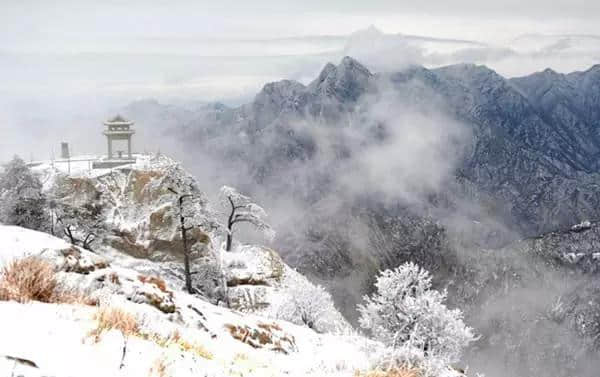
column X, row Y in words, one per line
column 34, row 279
column 408, row 316
column 157, row 281
column 115, row 319
column 311, row 306
column 28, row 279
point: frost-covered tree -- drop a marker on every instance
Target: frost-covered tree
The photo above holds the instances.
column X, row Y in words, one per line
column 405, row 312
column 80, row 225
column 241, row 209
column 22, row 202
column 311, row 306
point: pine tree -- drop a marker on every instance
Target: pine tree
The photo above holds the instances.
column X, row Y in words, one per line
column 187, row 201
column 22, row 202
column 241, row 209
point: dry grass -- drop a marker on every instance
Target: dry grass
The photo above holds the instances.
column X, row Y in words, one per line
column 175, row 340
column 157, row 281
column 34, row 279
column 115, row 319
column 395, row 372
column 114, row 278
column 240, row 357
column 269, row 326
column 159, row 368
column 109, row 318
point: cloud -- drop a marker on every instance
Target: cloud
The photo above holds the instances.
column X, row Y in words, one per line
column 417, row 156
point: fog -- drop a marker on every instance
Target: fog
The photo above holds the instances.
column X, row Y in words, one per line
column 66, row 66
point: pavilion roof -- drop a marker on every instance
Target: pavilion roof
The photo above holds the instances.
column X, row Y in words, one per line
column 118, row 119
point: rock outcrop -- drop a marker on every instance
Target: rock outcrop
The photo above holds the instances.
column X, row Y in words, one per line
column 137, row 207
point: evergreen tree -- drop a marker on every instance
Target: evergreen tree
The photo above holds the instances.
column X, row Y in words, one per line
column 22, row 202
column 241, row 209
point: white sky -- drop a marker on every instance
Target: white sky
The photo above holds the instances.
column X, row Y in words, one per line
column 68, row 62
column 31, row 25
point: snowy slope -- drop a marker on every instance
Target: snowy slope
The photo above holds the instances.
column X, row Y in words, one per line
column 56, row 337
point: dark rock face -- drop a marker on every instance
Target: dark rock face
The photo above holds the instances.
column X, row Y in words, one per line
column 577, row 248
column 528, row 164
column 534, row 142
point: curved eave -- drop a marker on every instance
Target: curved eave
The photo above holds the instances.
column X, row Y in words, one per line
column 108, row 123
column 112, row 133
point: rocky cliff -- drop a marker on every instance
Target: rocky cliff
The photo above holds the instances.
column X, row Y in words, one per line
column 140, row 224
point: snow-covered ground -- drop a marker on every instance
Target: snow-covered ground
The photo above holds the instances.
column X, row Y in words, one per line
column 40, row 339
column 81, row 166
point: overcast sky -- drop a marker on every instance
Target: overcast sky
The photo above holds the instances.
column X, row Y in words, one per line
column 41, row 24
column 67, row 63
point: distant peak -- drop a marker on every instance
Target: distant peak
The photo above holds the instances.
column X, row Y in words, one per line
column 283, row 88
column 347, row 65
column 371, row 31
column 466, row 67
column 594, row 68
column 329, row 67
column 347, row 60
column 351, row 63
column 347, row 80
column 326, row 71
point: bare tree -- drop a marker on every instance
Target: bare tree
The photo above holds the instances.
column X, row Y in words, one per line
column 184, row 229
column 81, row 225
column 243, row 210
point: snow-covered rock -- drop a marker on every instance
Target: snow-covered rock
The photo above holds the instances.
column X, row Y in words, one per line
column 260, row 282
column 134, row 200
column 584, row 225
column 19, row 242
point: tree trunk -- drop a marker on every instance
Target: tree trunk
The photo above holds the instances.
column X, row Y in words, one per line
column 228, row 245
column 230, row 225
column 186, row 262
column 186, row 256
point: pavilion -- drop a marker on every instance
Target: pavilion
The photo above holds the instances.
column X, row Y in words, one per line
column 117, row 129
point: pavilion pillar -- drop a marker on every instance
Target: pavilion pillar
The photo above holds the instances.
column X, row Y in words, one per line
column 129, row 146
column 109, row 141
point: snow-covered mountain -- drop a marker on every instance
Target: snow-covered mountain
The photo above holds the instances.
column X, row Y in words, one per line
column 472, row 161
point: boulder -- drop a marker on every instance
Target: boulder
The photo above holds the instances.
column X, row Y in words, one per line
column 268, row 336
column 253, row 265
column 253, row 274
